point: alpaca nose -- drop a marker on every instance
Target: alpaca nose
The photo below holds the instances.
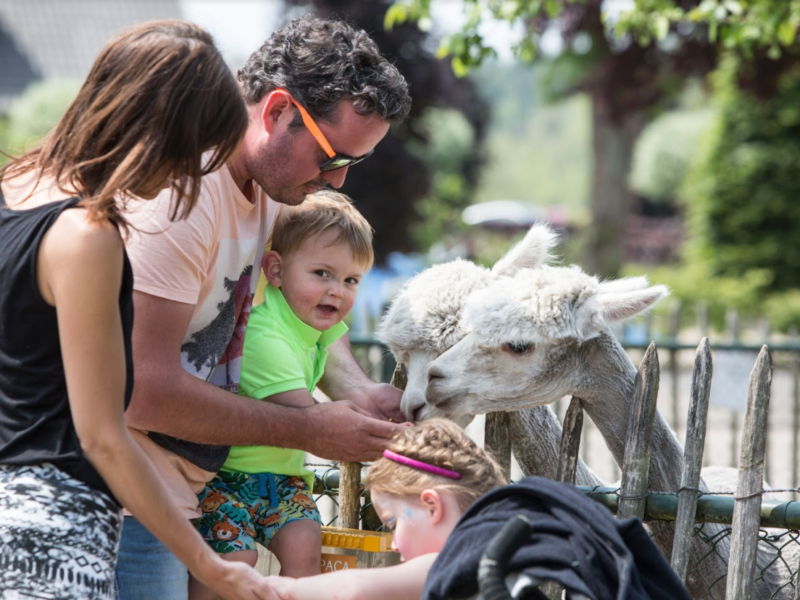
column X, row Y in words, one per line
column 434, row 372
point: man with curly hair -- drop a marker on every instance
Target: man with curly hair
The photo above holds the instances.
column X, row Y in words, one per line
column 320, row 97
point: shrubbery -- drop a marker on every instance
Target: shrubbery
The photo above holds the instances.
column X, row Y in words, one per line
column 743, row 197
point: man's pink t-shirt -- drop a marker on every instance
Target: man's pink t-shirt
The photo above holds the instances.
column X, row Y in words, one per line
column 212, row 260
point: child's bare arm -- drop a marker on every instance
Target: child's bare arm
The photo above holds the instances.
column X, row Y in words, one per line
column 401, row 582
column 297, row 398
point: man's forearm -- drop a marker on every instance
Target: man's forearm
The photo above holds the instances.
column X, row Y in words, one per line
column 190, row 409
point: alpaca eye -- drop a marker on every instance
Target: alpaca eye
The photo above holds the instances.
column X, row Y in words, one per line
column 517, row 348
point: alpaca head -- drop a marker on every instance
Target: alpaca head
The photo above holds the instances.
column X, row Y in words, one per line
column 425, row 318
column 524, row 339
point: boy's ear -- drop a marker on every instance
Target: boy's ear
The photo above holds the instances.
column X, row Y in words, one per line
column 273, row 267
column 432, row 503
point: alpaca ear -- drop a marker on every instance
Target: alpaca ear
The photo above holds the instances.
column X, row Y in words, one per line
column 626, row 284
column 532, row 252
column 613, row 306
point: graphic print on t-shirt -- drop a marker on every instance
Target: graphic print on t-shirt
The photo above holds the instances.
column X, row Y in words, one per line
column 216, row 349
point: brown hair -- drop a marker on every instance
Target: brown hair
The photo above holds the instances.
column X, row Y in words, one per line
column 319, row 212
column 441, row 443
column 158, row 96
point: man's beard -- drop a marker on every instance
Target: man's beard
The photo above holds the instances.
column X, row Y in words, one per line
column 271, row 170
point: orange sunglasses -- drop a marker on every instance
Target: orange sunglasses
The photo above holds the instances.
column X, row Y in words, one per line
column 335, row 160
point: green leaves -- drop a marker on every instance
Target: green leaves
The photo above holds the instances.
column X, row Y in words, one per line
column 743, row 25
column 467, row 47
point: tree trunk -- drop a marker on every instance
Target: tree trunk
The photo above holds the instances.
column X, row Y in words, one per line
column 612, row 147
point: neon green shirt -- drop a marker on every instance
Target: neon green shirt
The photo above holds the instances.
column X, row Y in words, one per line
column 281, row 354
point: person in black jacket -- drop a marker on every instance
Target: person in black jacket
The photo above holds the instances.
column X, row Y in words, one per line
column 574, row 541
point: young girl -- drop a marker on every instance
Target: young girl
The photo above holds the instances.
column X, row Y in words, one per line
column 428, row 477
column 158, row 97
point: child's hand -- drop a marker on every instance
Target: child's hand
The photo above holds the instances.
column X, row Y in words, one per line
column 236, row 581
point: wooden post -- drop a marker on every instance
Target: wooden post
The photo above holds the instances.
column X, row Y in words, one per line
column 399, row 377
column 636, row 463
column 497, row 440
column 567, row 466
column 570, row 442
column 747, row 510
column 692, row 459
column 349, row 494
column 370, row 519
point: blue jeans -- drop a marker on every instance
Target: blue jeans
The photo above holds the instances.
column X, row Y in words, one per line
column 146, row 569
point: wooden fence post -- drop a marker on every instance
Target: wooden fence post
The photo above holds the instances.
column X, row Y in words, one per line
column 349, row 494
column 567, row 466
column 636, row 463
column 497, row 440
column 369, row 518
column 692, row 459
column 399, row 377
column 746, row 512
column 570, row 442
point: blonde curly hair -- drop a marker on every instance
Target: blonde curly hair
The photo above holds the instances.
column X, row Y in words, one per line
column 441, row 443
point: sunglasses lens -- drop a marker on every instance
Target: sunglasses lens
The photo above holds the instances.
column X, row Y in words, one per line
column 339, row 161
column 336, row 163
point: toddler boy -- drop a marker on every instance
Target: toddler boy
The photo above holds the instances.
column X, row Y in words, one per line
column 320, row 251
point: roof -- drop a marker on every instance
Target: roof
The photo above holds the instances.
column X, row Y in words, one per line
column 43, row 39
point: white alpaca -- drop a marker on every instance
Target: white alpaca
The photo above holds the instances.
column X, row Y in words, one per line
column 543, row 334
column 424, row 321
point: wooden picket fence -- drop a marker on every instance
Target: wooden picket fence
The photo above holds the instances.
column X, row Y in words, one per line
column 746, row 511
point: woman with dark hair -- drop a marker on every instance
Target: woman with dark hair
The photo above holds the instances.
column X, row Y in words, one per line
column 159, row 109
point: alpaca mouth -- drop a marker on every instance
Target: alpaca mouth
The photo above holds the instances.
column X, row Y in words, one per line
column 441, row 401
column 420, row 414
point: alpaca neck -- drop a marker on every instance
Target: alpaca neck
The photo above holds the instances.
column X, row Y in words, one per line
column 606, row 388
column 536, row 439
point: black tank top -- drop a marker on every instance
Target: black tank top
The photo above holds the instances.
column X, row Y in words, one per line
column 35, row 420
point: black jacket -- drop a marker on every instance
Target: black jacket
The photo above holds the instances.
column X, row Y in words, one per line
column 575, row 541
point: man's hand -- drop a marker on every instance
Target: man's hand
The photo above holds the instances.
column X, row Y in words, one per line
column 345, row 432
column 380, row 400
column 344, row 380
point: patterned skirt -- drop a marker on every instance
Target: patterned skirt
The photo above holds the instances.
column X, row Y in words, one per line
column 58, row 537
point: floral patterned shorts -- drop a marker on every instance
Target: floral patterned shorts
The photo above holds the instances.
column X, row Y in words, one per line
column 58, row 537
column 240, row 509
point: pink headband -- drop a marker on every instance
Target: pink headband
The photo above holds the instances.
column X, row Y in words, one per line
column 417, row 464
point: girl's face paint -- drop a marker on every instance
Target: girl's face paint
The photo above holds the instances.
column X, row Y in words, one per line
column 410, row 522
